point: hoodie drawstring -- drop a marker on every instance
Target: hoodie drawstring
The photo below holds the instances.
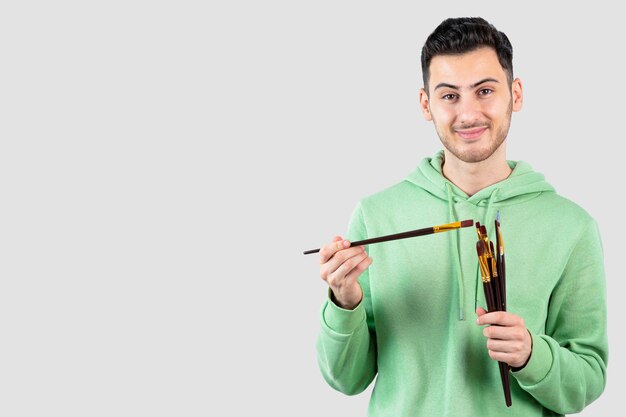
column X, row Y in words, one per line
column 454, row 252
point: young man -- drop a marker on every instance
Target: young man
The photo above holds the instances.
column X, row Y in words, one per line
column 406, row 318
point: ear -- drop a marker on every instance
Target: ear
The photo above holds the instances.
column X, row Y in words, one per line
column 425, row 105
column 517, row 95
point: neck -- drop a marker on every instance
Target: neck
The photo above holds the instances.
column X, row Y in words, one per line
column 471, row 177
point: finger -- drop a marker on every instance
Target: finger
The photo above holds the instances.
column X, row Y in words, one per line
column 501, row 346
column 480, row 311
column 359, row 269
column 328, row 270
column 327, row 251
column 342, row 256
column 514, row 358
column 515, row 333
column 501, row 356
column 348, row 265
column 501, row 318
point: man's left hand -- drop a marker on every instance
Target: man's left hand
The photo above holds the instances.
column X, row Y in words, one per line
column 508, row 340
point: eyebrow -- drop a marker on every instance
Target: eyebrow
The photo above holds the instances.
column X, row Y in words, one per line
column 456, row 87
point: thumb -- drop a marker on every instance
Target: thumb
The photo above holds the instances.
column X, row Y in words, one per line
column 480, row 311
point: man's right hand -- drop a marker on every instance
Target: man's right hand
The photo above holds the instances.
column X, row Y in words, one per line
column 341, row 266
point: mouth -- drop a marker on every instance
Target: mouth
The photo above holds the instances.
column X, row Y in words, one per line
column 471, row 133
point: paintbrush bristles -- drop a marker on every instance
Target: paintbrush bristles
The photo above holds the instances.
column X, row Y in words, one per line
column 482, row 261
column 452, row 226
column 494, row 265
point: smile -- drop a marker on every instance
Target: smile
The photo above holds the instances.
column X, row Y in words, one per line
column 472, row 133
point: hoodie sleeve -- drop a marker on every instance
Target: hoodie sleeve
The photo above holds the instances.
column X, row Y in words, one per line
column 567, row 368
column 346, row 344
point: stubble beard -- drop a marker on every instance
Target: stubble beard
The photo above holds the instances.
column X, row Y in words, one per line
column 477, row 154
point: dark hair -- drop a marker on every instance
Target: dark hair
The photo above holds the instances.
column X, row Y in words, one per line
column 465, row 34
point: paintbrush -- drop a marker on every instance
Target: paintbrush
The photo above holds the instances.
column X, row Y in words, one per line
column 501, row 261
column 411, row 233
column 486, row 276
column 495, row 280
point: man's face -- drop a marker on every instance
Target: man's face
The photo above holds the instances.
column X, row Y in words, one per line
column 470, row 103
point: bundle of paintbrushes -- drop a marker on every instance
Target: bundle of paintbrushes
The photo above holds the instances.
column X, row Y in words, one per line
column 493, row 272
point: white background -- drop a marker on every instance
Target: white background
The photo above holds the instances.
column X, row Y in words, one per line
column 164, row 164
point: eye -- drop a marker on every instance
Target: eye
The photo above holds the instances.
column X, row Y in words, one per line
column 485, row 91
column 449, row 96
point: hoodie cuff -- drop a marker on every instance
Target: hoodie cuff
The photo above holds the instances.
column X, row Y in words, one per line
column 341, row 320
column 538, row 365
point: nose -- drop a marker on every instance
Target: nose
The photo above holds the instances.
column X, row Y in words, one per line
column 469, row 110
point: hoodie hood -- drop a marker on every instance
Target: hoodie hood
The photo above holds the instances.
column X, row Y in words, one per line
column 521, row 185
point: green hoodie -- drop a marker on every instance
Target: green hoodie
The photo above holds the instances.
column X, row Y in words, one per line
column 415, row 330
